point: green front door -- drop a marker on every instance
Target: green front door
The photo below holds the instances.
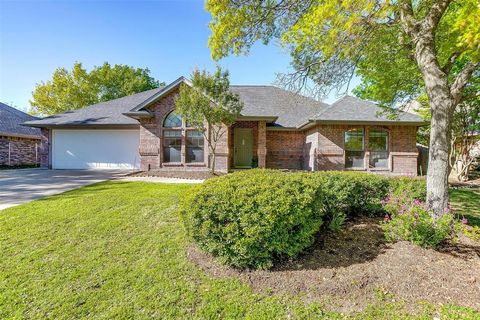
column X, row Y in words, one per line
column 243, row 147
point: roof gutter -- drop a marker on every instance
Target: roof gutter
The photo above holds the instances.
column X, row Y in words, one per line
column 139, row 114
column 83, row 126
column 268, row 119
column 20, row 135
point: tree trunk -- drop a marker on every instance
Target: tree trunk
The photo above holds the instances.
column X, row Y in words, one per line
column 438, row 168
column 441, row 106
column 442, row 96
column 212, row 164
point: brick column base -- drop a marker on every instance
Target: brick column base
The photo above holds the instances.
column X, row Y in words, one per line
column 262, row 144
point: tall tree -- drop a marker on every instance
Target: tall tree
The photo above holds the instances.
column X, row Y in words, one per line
column 329, row 39
column 209, row 106
column 70, row 90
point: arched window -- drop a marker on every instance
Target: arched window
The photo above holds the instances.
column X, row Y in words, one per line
column 174, row 128
column 173, row 120
column 378, row 147
column 354, row 148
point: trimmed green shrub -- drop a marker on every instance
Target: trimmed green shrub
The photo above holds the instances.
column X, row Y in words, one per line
column 407, row 187
column 248, row 219
column 353, row 193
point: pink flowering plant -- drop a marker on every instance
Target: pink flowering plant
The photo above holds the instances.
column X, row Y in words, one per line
column 412, row 220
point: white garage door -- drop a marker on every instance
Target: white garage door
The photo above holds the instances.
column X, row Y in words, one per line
column 95, row 149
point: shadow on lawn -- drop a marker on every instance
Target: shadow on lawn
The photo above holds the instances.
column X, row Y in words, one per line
column 360, row 241
column 466, row 202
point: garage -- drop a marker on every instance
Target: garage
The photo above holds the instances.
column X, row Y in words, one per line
column 95, row 149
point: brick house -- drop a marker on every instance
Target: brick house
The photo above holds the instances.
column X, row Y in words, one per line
column 277, row 129
column 19, row 145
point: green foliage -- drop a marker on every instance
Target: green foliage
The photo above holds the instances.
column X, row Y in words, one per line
column 408, row 188
column 473, row 232
column 353, row 193
column 75, row 89
column 328, row 39
column 248, row 219
column 337, row 220
column 413, row 221
column 208, row 99
column 121, row 80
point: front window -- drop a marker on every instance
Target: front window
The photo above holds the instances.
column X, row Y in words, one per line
column 195, row 147
column 378, row 146
column 174, row 129
column 354, row 149
column 172, row 145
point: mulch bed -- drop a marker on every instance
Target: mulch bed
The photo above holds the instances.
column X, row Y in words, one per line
column 176, row 174
column 348, row 270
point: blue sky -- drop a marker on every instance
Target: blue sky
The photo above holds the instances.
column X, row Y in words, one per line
column 168, row 37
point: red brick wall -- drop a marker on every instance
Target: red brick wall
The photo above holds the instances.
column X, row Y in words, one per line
column 44, row 150
column 19, row 151
column 285, row 149
column 151, row 141
column 318, row 148
column 402, row 147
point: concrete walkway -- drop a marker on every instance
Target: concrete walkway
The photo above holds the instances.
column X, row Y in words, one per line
column 24, row 185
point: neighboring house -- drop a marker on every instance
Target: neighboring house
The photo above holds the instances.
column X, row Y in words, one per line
column 276, row 129
column 19, row 145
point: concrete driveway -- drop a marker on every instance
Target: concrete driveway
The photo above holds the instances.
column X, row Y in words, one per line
column 24, row 185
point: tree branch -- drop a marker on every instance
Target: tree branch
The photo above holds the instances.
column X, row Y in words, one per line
column 409, row 23
column 431, row 20
column 450, row 62
column 456, row 90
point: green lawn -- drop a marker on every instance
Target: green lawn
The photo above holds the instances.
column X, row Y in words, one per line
column 117, row 250
column 466, row 202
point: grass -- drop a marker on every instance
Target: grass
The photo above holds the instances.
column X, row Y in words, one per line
column 466, row 202
column 117, row 250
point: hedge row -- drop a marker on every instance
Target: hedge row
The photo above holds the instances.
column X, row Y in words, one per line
column 248, row 219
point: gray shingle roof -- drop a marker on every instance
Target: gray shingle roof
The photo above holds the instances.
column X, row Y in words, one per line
column 291, row 109
column 103, row 113
column 355, row 109
column 10, row 122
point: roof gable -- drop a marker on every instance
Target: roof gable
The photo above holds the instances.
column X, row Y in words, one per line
column 158, row 95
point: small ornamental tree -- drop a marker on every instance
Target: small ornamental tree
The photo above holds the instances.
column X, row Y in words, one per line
column 209, row 106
